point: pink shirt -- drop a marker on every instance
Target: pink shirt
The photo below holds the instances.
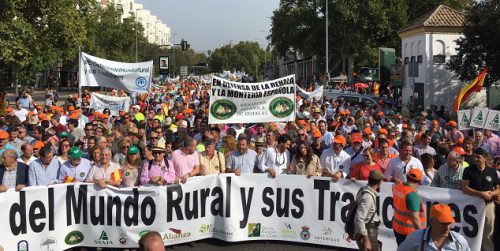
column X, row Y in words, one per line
column 494, row 142
column 184, row 164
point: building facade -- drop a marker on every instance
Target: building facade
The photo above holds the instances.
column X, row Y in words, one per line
column 427, row 45
column 154, row 29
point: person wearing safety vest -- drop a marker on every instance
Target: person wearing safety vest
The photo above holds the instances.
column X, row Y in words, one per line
column 408, row 208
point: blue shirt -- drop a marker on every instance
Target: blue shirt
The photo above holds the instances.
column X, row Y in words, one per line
column 41, row 175
column 414, row 240
column 245, row 162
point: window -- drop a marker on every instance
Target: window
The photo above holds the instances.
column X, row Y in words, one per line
column 420, row 59
column 412, row 59
column 439, row 59
column 407, row 60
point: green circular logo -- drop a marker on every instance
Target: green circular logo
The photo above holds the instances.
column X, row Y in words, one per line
column 74, row 237
column 281, row 107
column 223, row 109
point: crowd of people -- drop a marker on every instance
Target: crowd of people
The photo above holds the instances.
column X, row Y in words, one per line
column 165, row 138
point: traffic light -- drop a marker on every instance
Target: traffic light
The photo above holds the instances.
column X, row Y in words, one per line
column 184, row 45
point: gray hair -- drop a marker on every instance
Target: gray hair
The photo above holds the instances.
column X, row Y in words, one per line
column 10, row 153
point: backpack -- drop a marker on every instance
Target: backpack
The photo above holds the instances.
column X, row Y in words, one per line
column 350, row 226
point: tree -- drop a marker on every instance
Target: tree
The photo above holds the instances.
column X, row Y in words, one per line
column 357, row 28
column 479, row 47
column 245, row 56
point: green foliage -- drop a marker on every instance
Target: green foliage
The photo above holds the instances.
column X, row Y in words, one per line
column 356, row 28
column 245, row 56
column 479, row 47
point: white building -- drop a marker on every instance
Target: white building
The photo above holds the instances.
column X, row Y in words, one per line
column 154, row 29
column 427, row 45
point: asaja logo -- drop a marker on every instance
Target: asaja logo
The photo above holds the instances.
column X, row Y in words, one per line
column 281, row 107
column 223, row 109
column 305, row 234
column 495, row 122
column 48, row 244
column 254, row 229
column 141, row 82
column 479, row 118
column 73, row 238
column 103, row 239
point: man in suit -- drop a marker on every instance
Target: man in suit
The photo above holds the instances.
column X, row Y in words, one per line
column 13, row 174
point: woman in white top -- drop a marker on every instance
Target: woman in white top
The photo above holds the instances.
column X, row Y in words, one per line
column 429, row 171
column 62, row 152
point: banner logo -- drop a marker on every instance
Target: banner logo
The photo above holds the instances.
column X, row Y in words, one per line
column 223, row 109
column 495, row 122
column 281, row 107
column 176, row 234
column 103, row 239
column 141, row 82
column 254, row 229
column 23, row 246
column 73, row 238
column 479, row 118
column 305, row 234
column 48, row 244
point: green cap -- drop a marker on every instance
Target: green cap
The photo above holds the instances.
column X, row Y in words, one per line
column 63, row 135
column 133, row 150
column 75, row 152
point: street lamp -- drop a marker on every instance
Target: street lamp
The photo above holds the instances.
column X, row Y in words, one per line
column 135, row 14
column 327, row 74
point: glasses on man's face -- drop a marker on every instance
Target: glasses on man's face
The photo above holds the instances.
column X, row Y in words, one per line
column 88, row 129
column 21, row 132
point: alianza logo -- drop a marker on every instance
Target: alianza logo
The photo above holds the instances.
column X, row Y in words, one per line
column 176, row 234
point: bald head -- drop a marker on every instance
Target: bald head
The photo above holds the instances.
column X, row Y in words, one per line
column 151, row 242
column 453, row 159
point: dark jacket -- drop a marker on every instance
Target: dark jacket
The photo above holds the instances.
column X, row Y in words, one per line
column 21, row 174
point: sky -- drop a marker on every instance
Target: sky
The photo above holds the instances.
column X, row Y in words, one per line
column 208, row 24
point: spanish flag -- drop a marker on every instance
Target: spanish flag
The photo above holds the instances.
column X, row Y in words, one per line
column 116, row 175
column 474, row 86
column 69, row 179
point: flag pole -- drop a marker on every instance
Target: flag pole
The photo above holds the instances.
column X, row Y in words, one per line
column 79, row 73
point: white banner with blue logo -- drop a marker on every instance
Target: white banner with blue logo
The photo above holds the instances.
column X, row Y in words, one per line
column 115, row 104
column 98, row 72
column 232, row 208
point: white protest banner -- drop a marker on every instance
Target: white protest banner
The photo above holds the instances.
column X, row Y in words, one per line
column 231, row 208
column 478, row 117
column 493, row 121
column 234, row 102
column 132, row 77
column 316, row 94
column 115, row 104
column 463, row 119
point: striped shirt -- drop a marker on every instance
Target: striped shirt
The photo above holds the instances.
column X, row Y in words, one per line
column 447, row 177
column 9, row 178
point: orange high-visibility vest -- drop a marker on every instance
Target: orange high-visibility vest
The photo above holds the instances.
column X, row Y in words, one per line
column 402, row 222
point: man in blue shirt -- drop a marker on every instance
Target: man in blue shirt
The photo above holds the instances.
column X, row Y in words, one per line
column 44, row 170
column 438, row 236
column 76, row 169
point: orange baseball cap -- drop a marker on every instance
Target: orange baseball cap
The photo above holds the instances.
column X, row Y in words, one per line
column 460, row 150
column 380, row 113
column 104, row 116
column 452, row 123
column 418, row 136
column 398, row 116
column 31, row 113
column 383, row 131
column 38, row 144
column 4, row 134
column 415, row 174
column 367, row 131
column 42, row 117
column 405, row 125
column 71, row 108
column 339, row 139
column 442, row 213
column 316, row 134
column 301, row 122
column 9, row 109
column 356, row 137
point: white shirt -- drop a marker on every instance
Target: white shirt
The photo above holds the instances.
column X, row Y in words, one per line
column 32, row 158
column 359, row 158
column 239, row 131
column 335, row 163
column 279, row 162
column 21, row 114
column 398, row 168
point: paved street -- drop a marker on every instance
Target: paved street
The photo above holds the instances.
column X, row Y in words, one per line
column 214, row 244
